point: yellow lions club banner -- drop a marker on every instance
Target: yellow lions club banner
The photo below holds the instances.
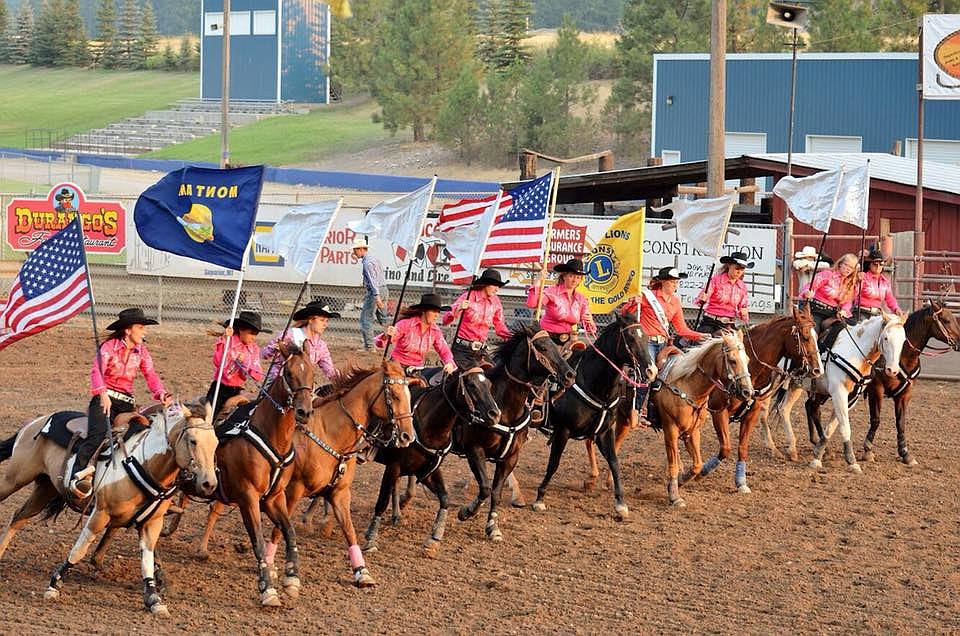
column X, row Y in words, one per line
column 615, row 266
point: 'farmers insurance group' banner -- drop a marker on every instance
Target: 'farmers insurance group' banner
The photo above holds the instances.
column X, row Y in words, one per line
column 941, row 56
column 31, row 221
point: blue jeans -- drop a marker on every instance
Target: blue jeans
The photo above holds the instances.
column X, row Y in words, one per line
column 640, row 395
column 368, row 314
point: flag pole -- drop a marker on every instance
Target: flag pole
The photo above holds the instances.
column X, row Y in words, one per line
column 554, row 184
column 233, row 313
column 483, row 248
column 860, row 262
column 713, row 265
column 403, row 288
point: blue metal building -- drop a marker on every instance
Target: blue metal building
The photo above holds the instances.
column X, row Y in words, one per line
column 845, row 102
column 278, row 50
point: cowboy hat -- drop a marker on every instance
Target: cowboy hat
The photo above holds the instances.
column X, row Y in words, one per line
column 64, row 194
column 131, row 316
column 874, row 255
column 808, row 251
column 573, row 266
column 249, row 319
column 489, row 277
column 429, row 301
column 315, row 308
column 737, row 258
column 669, row 273
column 360, row 243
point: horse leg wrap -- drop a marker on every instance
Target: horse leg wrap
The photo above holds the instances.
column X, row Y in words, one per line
column 263, row 577
column 269, row 552
column 710, row 465
column 56, row 581
column 150, row 595
column 740, row 476
column 356, row 557
column 439, row 525
column 848, row 453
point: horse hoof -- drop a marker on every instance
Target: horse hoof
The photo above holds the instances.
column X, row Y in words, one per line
column 203, row 555
column 538, row 506
column 589, row 484
column 495, row 535
column 793, row 454
column 622, row 512
column 869, row 456
column 371, row 547
column 291, row 586
column 855, row 469
column 678, row 503
column 270, row 598
column 362, row 578
column 816, row 463
column 464, row 513
column 431, row 548
column 395, row 520
column 518, row 503
column 51, row 594
column 160, row 610
column 745, row 489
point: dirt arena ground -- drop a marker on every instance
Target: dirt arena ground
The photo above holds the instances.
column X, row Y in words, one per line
column 811, row 551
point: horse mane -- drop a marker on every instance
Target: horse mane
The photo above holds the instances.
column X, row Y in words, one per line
column 689, row 361
column 912, row 325
column 507, row 348
column 345, row 383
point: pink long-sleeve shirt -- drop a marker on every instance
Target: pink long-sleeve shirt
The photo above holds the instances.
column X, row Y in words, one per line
column 727, row 298
column 411, row 344
column 243, row 361
column 484, row 311
column 561, row 311
column 827, row 287
column 875, row 290
column 120, row 366
column 319, row 353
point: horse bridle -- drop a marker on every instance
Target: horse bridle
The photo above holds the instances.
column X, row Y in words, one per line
column 537, row 392
column 189, row 471
column 950, row 339
column 375, row 436
column 726, row 367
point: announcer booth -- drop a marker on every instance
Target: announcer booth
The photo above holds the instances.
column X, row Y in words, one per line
column 278, row 50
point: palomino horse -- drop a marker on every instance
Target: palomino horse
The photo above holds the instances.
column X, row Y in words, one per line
column 520, row 379
column 586, row 411
column 849, row 364
column 932, row 321
column 366, row 408
column 131, row 488
column 791, row 337
column 463, row 395
column 687, row 380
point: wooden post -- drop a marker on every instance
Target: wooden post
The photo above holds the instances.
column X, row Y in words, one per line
column 748, row 197
column 654, row 161
column 528, row 165
column 718, row 60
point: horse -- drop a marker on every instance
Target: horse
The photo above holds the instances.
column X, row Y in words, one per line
column 792, row 337
column 687, row 381
column 931, row 321
column 584, row 411
column 462, row 396
column 132, row 487
column 849, row 364
column 524, row 366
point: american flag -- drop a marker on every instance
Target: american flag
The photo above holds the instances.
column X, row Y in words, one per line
column 518, row 231
column 51, row 287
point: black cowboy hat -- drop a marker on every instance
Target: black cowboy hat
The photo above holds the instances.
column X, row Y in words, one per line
column 315, row 308
column 490, row 277
column 573, row 266
column 737, row 258
column 429, row 301
column 131, row 316
column 825, row 259
column 669, row 273
column 64, row 194
column 250, row 319
column 874, row 255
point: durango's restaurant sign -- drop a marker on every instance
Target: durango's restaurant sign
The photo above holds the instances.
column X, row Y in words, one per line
column 31, row 221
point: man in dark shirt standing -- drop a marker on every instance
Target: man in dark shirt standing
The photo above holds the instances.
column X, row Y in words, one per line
column 375, row 292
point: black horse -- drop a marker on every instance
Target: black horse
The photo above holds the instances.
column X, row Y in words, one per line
column 932, row 321
column 462, row 396
column 524, row 366
column 587, row 410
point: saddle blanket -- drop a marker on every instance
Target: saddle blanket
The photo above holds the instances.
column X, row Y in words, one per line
column 61, row 426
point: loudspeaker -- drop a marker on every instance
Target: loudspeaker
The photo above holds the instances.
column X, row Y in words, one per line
column 787, row 15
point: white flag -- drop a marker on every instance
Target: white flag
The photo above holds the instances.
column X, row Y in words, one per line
column 299, row 235
column 702, row 222
column 467, row 242
column 398, row 220
column 812, row 198
column 853, row 198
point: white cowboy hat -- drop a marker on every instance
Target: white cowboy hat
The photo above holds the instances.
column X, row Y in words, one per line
column 808, row 251
column 360, row 243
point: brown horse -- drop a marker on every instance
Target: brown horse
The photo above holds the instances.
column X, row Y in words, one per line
column 367, row 408
column 131, row 488
column 687, row 380
column 934, row 320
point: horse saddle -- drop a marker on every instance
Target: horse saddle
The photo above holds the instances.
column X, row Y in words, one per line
column 62, row 426
column 230, row 423
column 432, row 376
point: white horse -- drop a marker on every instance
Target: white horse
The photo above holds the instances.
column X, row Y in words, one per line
column 847, row 368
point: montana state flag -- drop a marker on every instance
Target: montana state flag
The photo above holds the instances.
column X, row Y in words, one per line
column 615, row 266
column 202, row 213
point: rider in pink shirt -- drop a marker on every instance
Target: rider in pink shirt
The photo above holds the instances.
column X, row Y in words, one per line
column 831, row 291
column 309, row 323
column 874, row 290
column 243, row 357
column 481, row 309
column 563, row 306
column 726, row 295
column 416, row 334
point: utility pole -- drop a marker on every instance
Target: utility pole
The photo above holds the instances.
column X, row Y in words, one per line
column 225, row 89
column 718, row 80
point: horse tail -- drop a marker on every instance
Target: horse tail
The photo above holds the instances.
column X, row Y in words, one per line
column 53, row 509
column 6, row 447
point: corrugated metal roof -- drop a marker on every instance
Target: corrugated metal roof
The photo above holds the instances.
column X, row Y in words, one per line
column 936, row 176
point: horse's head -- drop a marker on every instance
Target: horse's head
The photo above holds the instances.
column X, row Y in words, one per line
column 394, row 409
column 296, row 378
column 803, row 346
column 634, row 343
column 736, row 363
column 473, row 393
column 892, row 337
column 194, row 445
column 946, row 327
column 544, row 357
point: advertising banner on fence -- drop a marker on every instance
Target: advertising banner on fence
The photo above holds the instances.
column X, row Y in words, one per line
column 31, row 221
column 941, row 56
column 571, row 237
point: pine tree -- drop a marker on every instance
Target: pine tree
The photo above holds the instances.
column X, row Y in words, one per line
column 76, row 51
column 489, row 30
column 510, row 49
column 127, row 32
column 147, row 41
column 48, row 47
column 185, row 56
column 5, row 24
column 20, row 40
column 107, row 30
column 351, row 44
column 169, row 58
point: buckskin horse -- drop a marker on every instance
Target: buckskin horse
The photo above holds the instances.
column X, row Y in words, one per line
column 524, row 366
column 931, row 321
column 586, row 411
column 687, row 380
column 461, row 396
column 849, row 365
column 132, row 487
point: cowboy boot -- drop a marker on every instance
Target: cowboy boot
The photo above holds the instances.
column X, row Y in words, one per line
column 81, row 483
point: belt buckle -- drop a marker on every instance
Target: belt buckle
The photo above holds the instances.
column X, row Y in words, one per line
column 563, row 337
column 476, row 345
